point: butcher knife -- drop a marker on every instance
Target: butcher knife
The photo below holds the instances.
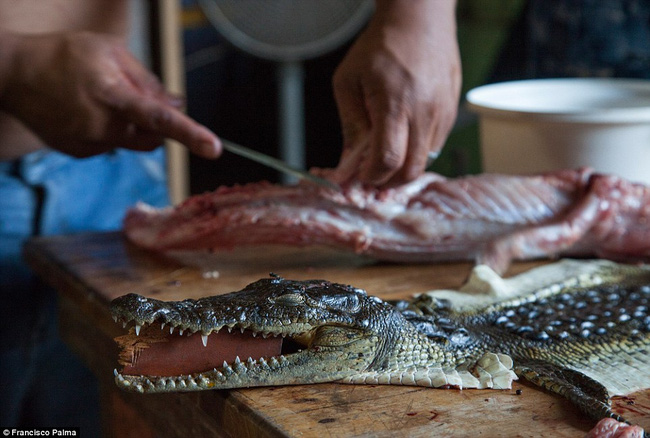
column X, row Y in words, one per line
column 276, row 164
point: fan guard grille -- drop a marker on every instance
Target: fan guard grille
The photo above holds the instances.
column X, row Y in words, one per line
column 287, row 30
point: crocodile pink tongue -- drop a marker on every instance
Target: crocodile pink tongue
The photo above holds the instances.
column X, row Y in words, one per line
column 155, row 353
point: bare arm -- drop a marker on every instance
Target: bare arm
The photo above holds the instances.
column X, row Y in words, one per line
column 84, row 93
column 397, row 91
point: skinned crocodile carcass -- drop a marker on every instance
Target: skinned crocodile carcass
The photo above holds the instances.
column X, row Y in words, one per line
column 565, row 333
column 491, row 219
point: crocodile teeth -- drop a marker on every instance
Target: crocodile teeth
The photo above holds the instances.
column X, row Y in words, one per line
column 240, row 368
column 204, row 339
column 137, row 329
column 115, row 318
column 171, row 329
column 218, row 375
column 263, row 363
column 181, row 332
column 227, row 370
column 162, row 326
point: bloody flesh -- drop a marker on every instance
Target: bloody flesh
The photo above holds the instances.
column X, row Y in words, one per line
column 492, row 219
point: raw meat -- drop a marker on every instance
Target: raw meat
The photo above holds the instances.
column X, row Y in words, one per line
column 610, row 428
column 491, row 219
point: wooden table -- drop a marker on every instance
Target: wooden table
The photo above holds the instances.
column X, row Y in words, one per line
column 90, row 270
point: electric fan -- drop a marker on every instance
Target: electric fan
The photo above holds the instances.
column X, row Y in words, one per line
column 288, row 32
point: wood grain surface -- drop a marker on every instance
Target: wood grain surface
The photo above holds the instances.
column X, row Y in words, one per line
column 89, row 270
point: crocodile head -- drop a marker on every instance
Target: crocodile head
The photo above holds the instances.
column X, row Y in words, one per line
column 579, row 330
column 331, row 332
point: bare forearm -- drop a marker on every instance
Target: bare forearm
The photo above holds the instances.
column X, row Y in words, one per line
column 429, row 24
column 84, row 93
column 440, row 14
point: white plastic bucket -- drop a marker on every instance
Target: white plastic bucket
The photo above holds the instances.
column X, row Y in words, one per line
column 540, row 125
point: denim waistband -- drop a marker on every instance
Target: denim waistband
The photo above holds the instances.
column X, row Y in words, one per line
column 68, row 194
column 9, row 166
column 34, row 165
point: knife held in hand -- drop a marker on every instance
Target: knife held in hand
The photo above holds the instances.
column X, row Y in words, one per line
column 276, row 164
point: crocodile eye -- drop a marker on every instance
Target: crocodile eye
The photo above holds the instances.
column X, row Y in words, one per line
column 346, row 302
column 289, row 299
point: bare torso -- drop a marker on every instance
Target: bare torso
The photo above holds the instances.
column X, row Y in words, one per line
column 45, row 16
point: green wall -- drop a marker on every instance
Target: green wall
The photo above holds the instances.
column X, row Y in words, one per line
column 483, row 26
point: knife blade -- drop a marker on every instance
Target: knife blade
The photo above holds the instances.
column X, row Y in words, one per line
column 276, row 164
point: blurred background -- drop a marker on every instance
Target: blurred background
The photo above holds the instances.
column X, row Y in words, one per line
column 236, row 94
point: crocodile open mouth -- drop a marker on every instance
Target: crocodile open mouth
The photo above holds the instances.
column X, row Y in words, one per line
column 273, row 332
column 152, row 350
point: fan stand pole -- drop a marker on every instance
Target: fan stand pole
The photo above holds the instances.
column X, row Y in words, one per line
column 292, row 122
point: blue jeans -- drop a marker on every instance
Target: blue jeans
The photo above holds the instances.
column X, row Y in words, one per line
column 47, row 193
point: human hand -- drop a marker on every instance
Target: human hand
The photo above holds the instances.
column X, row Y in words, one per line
column 84, row 93
column 397, row 91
